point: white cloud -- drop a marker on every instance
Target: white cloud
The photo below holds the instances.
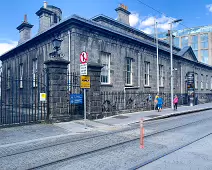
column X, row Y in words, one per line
column 148, row 30
column 209, row 7
column 6, row 45
column 134, row 19
column 147, row 24
column 149, row 21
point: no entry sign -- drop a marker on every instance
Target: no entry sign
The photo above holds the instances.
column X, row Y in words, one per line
column 84, row 57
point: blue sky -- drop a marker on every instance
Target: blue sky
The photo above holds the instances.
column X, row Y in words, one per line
column 193, row 13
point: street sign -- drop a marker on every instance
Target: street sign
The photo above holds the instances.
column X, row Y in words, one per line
column 84, row 57
column 42, row 97
column 85, row 82
column 76, row 99
column 83, row 69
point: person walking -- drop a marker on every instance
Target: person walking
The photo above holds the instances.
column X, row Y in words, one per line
column 159, row 103
column 156, row 102
column 175, row 101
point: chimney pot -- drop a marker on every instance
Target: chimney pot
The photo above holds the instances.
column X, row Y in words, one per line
column 25, row 18
column 45, row 4
column 123, row 14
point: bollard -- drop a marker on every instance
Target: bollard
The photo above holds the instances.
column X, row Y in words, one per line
column 141, row 134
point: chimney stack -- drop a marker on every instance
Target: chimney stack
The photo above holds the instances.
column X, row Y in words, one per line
column 48, row 16
column 45, row 4
column 123, row 14
column 24, row 30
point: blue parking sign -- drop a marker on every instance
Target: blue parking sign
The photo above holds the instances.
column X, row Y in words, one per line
column 76, row 99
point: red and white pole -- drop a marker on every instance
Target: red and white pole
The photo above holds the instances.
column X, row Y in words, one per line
column 141, row 134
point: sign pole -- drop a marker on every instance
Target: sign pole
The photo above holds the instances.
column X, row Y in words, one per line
column 85, row 108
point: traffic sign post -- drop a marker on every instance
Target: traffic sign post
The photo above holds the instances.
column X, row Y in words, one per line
column 83, row 69
column 84, row 57
column 85, row 80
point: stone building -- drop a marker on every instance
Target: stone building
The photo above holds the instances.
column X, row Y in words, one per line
column 127, row 54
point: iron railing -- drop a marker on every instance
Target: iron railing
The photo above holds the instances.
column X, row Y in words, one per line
column 75, row 109
column 20, row 100
column 129, row 101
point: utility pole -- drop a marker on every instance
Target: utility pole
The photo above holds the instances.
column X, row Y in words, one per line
column 156, row 32
column 171, row 56
column 172, row 95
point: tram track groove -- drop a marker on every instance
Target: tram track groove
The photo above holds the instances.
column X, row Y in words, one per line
column 15, row 151
column 66, row 141
column 113, row 145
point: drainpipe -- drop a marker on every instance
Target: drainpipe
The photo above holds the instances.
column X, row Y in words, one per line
column 69, row 59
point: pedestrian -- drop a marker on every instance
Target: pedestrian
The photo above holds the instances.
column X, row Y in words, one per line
column 156, row 101
column 175, row 102
column 159, row 103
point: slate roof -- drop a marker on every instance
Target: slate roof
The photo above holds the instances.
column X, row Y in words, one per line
column 96, row 25
column 87, row 21
column 186, row 49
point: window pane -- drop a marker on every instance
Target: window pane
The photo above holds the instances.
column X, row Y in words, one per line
column 196, row 53
column 129, row 71
column 184, row 41
column 194, row 44
column 204, row 56
column 204, row 41
column 176, row 41
column 105, row 72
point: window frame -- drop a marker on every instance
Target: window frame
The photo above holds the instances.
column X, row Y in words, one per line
column 206, row 82
column 161, row 69
column 34, row 72
column 128, row 73
column 8, row 77
column 203, row 41
column 21, row 73
column 211, row 82
column 108, row 69
column 182, row 41
column 147, row 73
column 196, row 80
column 202, row 79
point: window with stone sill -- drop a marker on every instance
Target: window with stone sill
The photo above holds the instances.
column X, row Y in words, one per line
column 211, row 83
column 161, row 75
column 21, row 76
column 8, row 78
column 202, row 81
column 105, row 72
column 196, row 81
column 206, row 85
column 146, row 73
column 128, row 71
column 34, row 72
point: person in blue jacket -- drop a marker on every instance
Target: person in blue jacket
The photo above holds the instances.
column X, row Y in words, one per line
column 160, row 103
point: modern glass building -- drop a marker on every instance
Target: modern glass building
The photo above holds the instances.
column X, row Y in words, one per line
column 199, row 38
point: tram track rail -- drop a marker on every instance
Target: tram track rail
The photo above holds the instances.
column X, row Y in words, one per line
column 68, row 139
column 127, row 141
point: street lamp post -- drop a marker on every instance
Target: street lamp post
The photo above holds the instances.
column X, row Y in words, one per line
column 171, row 56
column 156, row 35
column 56, row 45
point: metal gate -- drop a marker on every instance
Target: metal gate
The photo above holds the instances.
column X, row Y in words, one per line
column 20, row 99
column 75, row 97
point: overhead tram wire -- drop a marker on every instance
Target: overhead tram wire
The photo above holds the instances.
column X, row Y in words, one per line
column 167, row 17
column 162, row 13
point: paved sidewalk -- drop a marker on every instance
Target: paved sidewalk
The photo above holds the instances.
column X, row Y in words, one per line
column 50, row 132
column 124, row 119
